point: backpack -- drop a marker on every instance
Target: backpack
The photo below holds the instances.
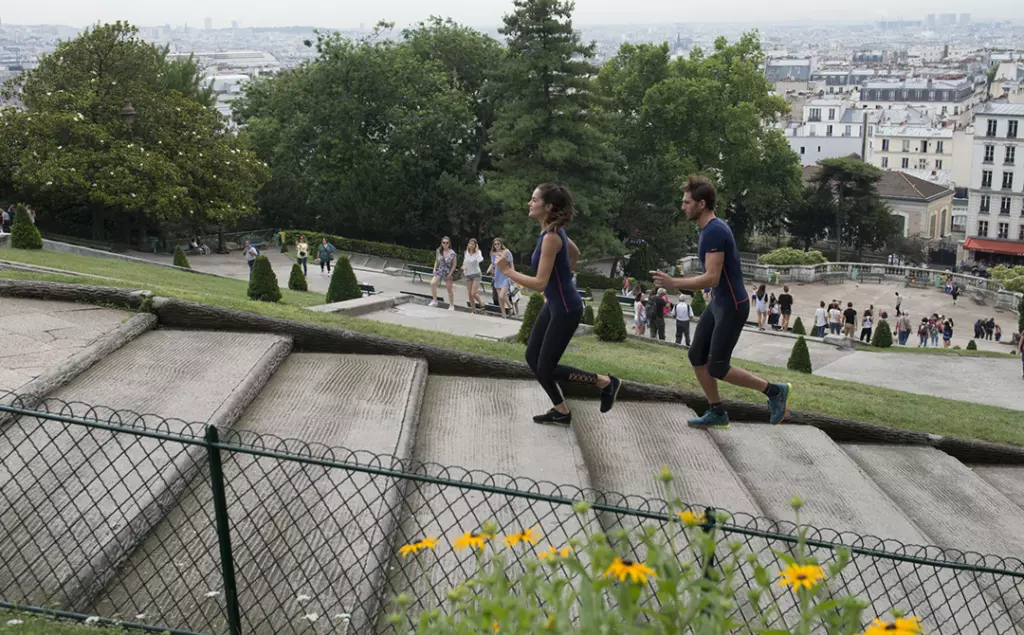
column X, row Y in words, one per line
column 254, row 248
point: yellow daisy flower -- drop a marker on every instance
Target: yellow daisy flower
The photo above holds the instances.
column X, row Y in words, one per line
column 415, row 547
column 797, row 575
column 637, row 571
column 554, row 553
column 527, row 536
column 473, row 540
column 691, row 519
column 899, row 626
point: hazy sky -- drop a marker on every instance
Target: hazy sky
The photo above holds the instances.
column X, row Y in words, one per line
column 332, row 13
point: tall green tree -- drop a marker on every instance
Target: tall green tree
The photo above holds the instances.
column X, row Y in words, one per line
column 547, row 127
column 358, row 140
column 72, row 153
column 808, row 220
column 861, row 217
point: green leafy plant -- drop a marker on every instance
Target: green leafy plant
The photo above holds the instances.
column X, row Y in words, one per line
column 800, row 358
column 588, row 315
column 972, row 346
column 24, row 233
column 589, row 279
column 593, row 583
column 798, row 327
column 530, row 316
column 609, row 325
column 1020, row 316
column 699, row 303
column 882, row 337
column 263, row 282
column 179, row 258
column 297, row 281
column 790, row 256
column 344, row 285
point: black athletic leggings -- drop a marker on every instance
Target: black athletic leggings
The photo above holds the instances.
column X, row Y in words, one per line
column 716, row 336
column 550, row 336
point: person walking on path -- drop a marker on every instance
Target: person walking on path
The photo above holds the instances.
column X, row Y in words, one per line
column 554, row 259
column 955, row 292
column 923, row 332
column 761, row 304
column 639, row 312
column 785, row 307
column 820, row 320
column 899, row 303
column 325, row 253
column 444, row 271
column 835, row 319
column 1020, row 349
column 302, row 253
column 683, row 313
column 471, row 268
column 5, row 220
column 250, row 253
column 501, row 282
column 947, row 333
column 656, row 314
column 850, row 320
column 865, row 327
column 903, row 329
column 722, row 322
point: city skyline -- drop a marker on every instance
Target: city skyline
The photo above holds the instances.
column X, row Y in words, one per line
column 480, row 13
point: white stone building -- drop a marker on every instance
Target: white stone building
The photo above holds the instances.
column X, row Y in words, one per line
column 922, row 151
column 995, row 213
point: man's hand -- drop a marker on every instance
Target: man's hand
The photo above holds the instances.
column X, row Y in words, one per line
column 662, row 279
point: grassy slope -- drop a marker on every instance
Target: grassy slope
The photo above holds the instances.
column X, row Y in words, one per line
column 632, row 360
column 33, row 624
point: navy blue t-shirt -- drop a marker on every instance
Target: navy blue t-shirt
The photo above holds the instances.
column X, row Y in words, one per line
column 560, row 292
column 716, row 237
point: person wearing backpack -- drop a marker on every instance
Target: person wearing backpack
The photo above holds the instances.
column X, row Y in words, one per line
column 683, row 315
column 325, row 254
column 250, row 252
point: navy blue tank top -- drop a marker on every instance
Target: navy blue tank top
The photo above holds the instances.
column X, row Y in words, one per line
column 561, row 295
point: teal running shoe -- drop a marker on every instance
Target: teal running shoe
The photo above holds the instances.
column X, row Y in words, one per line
column 778, row 405
column 710, row 420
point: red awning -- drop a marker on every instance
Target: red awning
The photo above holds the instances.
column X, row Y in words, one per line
column 995, row 246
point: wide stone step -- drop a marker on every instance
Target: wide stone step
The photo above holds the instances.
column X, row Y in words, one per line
column 75, row 501
column 1008, row 479
column 297, row 529
column 485, row 425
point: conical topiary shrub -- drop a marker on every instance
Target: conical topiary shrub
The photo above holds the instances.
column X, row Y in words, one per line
column 699, row 304
column 609, row 325
column 297, row 281
column 344, row 285
column 530, row 316
column 800, row 358
column 798, row 327
column 24, row 233
column 972, row 346
column 179, row 258
column 588, row 315
column 263, row 283
column 882, row 337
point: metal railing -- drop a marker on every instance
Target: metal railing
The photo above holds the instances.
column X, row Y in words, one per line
column 165, row 525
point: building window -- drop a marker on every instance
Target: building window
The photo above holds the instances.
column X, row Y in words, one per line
column 1004, row 230
column 922, row 164
column 848, row 131
column 815, row 114
column 831, row 114
column 906, row 145
column 885, row 162
column 990, row 154
column 945, row 95
column 892, row 95
column 1007, row 180
column 1011, row 129
column 983, row 228
column 938, row 147
column 986, row 200
column 828, row 131
column 1004, row 205
column 938, row 164
column 801, row 149
column 924, row 147
column 885, row 145
column 905, row 163
column 1020, row 232
column 991, row 131
column 986, row 178
column 1011, row 154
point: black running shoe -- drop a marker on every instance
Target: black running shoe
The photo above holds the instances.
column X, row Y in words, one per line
column 610, row 392
column 554, row 418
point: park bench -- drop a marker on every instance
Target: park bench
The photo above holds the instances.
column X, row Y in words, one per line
column 368, row 289
column 864, row 277
column 918, row 283
column 419, row 272
column 833, row 278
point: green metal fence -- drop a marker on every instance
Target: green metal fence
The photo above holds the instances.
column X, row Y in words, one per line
column 173, row 526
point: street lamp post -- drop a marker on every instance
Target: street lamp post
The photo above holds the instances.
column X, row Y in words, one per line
column 128, row 113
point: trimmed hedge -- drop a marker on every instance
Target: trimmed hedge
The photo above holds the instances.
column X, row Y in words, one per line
column 790, row 256
column 800, row 358
column 530, row 316
column 263, row 283
column 179, row 258
column 798, row 327
column 297, row 281
column 610, row 325
column 588, row 315
column 882, row 337
column 384, row 250
column 344, row 285
column 24, row 233
column 972, row 346
column 699, row 303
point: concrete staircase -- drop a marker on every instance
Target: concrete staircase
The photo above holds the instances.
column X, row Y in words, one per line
column 105, row 524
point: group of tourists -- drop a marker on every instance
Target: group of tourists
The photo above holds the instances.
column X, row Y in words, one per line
column 773, row 312
column 506, row 293
column 987, row 329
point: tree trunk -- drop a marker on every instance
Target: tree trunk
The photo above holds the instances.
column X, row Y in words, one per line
column 99, row 225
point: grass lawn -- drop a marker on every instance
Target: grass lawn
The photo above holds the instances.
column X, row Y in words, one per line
column 631, row 360
column 19, row 623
